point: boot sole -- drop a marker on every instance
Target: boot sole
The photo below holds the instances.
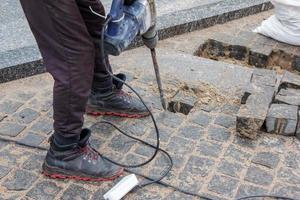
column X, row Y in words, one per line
column 57, row 173
column 92, row 112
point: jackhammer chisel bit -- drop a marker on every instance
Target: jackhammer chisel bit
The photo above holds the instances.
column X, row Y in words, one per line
column 158, row 79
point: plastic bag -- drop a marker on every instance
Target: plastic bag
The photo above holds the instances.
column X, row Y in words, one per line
column 284, row 26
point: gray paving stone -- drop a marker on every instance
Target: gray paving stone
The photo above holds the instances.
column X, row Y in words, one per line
column 9, row 106
column 267, row 159
column 289, row 176
column 98, row 195
column 223, row 185
column 249, row 190
column 144, row 151
column 230, row 169
column 26, row 116
column 170, row 119
column 43, row 126
column 11, row 129
column 218, row 133
column 259, row 176
column 226, row 121
column 180, row 146
column 296, row 63
column 198, row 166
column 23, row 96
column 178, row 196
column 288, row 96
column 32, row 139
column 292, row 160
column 282, row 119
column 264, row 77
column 201, row 118
column 210, row 149
column 164, row 133
column 76, row 192
column 291, row 191
column 253, row 113
column 183, row 102
column 34, row 163
column 121, row 143
column 135, row 128
column 46, row 190
column 96, row 142
column 237, row 154
column 4, row 171
column 244, row 142
column 272, row 142
column 290, row 80
column 21, row 180
column 230, row 109
column 191, row 132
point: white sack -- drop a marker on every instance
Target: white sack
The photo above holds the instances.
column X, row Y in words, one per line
column 284, row 26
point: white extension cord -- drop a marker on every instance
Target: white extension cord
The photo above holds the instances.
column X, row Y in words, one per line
column 122, row 188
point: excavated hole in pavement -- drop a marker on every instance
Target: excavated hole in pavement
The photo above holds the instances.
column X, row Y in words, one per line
column 278, row 60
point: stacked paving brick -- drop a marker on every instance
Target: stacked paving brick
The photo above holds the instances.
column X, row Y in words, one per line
column 275, row 105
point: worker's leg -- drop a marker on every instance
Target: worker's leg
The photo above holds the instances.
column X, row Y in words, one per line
column 68, row 53
column 106, row 96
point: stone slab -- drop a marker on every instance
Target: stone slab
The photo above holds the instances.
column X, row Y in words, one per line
column 290, row 80
column 173, row 18
column 288, row 96
column 282, row 119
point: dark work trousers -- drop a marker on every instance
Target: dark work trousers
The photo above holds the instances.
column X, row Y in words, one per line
column 68, row 36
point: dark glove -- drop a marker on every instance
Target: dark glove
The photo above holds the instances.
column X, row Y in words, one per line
column 150, row 38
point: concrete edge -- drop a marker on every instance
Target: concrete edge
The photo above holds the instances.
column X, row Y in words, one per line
column 26, row 61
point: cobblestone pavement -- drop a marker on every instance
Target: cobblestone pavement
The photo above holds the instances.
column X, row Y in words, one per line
column 209, row 157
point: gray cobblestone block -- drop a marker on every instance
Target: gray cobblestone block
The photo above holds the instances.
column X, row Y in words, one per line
column 270, row 141
column 244, row 142
column 121, row 143
column 178, row 196
column 264, row 77
column 289, row 176
column 180, row 145
column 9, row 106
column 258, row 59
column 20, row 180
column 4, row 171
column 281, row 189
column 191, row 132
column 210, row 149
column 282, row 119
column 288, row 96
column 34, row 163
column 135, row 128
column 146, row 194
column 171, row 120
column 292, row 160
column 144, row 151
column 75, row 192
column 42, row 106
column 201, row 118
column 230, row 109
column 198, row 166
column 218, row 133
column 237, row 154
column 26, row 116
column 96, row 142
column 8, row 158
column 226, row 121
column 11, row 129
column 252, row 115
column 32, row 139
column 164, row 133
column 98, row 195
column 183, row 102
column 230, row 169
column 290, row 80
column 215, row 48
column 223, row 185
column 3, row 144
column 296, row 63
column 249, row 190
column 238, row 52
column 267, row 159
column 46, row 190
column 43, row 126
column 259, row 176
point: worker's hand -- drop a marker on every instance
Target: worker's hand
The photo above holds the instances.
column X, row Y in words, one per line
column 150, row 38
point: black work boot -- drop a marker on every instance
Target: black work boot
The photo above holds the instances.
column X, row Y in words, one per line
column 78, row 161
column 115, row 102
